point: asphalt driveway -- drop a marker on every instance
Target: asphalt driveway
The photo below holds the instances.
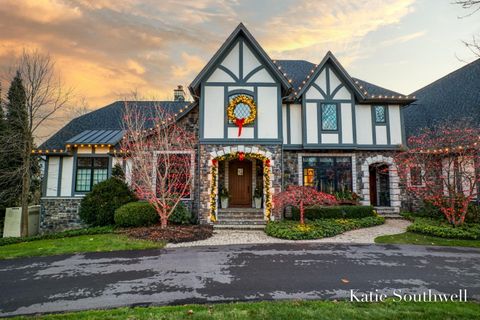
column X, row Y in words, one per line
column 226, row 273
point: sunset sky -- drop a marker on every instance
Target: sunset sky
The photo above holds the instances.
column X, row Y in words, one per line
column 105, row 49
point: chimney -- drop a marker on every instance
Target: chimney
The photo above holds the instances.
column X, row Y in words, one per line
column 179, row 94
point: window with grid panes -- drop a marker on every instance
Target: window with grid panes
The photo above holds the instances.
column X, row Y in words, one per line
column 90, row 171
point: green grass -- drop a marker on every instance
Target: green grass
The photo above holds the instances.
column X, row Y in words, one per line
column 416, row 238
column 84, row 243
column 286, row 311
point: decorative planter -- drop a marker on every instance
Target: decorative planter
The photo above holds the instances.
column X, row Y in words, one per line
column 257, row 202
column 224, row 202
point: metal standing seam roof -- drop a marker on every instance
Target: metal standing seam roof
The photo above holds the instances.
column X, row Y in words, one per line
column 97, row 137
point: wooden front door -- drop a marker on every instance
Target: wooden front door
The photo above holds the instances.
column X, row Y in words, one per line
column 379, row 186
column 240, row 183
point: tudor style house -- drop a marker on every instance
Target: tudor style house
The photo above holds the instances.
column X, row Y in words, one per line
column 262, row 125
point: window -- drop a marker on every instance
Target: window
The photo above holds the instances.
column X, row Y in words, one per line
column 175, row 173
column 380, row 114
column 90, row 171
column 416, row 176
column 241, row 111
column 329, row 117
column 328, row 174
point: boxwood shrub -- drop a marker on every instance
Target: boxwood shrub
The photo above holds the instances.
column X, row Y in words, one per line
column 320, row 228
column 136, row 214
column 439, row 228
column 98, row 207
column 181, row 215
column 335, row 212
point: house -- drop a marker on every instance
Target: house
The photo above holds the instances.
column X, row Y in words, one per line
column 261, row 124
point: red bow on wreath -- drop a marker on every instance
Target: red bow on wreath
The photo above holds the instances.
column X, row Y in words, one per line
column 239, row 124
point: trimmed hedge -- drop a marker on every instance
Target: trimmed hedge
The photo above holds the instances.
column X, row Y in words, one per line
column 318, row 229
column 58, row 235
column 442, row 229
column 136, row 214
column 335, row 212
column 98, row 207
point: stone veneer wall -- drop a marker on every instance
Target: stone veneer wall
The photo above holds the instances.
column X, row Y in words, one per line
column 208, row 152
column 58, row 214
column 362, row 160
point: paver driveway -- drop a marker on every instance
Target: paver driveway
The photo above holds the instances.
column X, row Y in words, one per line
column 225, row 273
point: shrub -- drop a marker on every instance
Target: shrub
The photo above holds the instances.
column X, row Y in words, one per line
column 443, row 229
column 428, row 210
column 181, row 215
column 473, row 213
column 98, row 206
column 318, row 229
column 58, row 235
column 136, row 214
column 335, row 212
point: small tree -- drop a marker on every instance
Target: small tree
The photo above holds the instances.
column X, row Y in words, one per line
column 302, row 197
column 441, row 167
column 160, row 153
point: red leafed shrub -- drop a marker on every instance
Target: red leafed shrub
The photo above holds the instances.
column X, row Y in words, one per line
column 302, row 197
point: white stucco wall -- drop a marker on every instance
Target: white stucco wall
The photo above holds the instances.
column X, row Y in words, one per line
column 67, row 174
column 267, row 112
column 363, row 116
column 213, row 112
column 311, row 117
column 296, row 124
column 231, row 61
column 284, row 124
column 381, row 135
column 347, row 127
column 52, row 180
column 395, row 124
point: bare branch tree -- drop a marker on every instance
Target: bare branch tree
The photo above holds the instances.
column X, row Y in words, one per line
column 161, row 156
column 45, row 95
column 474, row 6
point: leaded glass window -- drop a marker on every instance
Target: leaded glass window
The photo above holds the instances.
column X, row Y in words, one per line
column 380, row 114
column 241, row 111
column 329, row 117
column 328, row 174
column 90, row 171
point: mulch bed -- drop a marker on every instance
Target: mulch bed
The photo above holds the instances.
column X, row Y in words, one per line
column 171, row 233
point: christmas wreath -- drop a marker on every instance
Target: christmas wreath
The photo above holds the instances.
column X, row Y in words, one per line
column 237, row 111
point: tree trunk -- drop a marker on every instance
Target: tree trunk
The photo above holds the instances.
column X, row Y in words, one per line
column 302, row 218
column 163, row 221
column 25, row 188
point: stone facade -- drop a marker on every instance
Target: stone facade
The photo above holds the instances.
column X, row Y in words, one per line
column 209, row 152
column 361, row 184
column 58, row 214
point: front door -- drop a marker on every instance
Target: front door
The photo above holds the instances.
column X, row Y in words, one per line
column 379, row 186
column 240, row 183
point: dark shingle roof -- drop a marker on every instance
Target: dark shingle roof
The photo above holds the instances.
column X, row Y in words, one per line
column 106, row 118
column 298, row 70
column 454, row 97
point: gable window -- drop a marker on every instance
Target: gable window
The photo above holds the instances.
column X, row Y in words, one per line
column 90, row 171
column 328, row 174
column 380, row 114
column 241, row 111
column 329, row 117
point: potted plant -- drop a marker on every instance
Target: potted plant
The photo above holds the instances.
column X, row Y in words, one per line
column 257, row 197
column 224, row 195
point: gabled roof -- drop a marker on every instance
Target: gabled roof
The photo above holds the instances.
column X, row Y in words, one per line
column 455, row 97
column 107, row 118
column 301, row 73
column 240, row 30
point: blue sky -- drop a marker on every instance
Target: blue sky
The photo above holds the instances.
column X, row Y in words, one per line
column 105, row 49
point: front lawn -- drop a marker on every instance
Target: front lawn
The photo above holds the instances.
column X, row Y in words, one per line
column 287, row 310
column 320, row 228
column 76, row 244
column 421, row 239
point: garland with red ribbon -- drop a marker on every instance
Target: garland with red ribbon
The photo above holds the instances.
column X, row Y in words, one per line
column 241, row 122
